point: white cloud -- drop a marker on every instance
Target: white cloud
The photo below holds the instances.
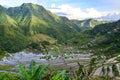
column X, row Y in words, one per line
column 73, row 12
column 53, row 5
column 4, row 2
column 77, row 13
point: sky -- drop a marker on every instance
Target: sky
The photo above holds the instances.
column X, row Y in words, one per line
column 76, row 9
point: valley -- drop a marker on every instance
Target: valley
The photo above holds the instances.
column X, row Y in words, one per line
column 72, row 49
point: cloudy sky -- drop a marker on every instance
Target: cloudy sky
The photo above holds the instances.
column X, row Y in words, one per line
column 76, row 9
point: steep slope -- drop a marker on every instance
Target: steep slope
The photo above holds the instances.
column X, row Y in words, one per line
column 103, row 39
column 21, row 25
column 33, row 22
column 34, row 19
column 109, row 30
column 87, row 24
column 5, row 19
column 11, row 39
column 109, row 37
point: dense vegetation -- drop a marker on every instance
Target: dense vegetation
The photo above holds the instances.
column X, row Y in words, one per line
column 34, row 19
column 32, row 27
column 19, row 24
column 104, row 38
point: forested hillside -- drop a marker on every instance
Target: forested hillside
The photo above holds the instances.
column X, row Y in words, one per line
column 104, row 37
column 19, row 25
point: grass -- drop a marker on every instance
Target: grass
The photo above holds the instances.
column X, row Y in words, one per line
column 1, row 56
column 37, row 21
column 5, row 67
column 8, row 76
column 39, row 37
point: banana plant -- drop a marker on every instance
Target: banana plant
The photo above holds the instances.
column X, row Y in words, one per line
column 39, row 73
column 33, row 72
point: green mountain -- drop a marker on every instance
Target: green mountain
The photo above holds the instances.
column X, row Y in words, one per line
column 87, row 24
column 19, row 25
column 103, row 39
column 34, row 19
column 29, row 23
column 11, row 38
column 5, row 19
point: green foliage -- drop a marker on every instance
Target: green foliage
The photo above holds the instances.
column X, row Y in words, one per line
column 6, row 67
column 80, row 39
column 34, row 45
column 39, row 73
column 44, row 43
column 115, row 70
column 111, row 37
column 13, row 43
column 8, row 76
column 39, row 46
column 33, row 73
column 58, row 76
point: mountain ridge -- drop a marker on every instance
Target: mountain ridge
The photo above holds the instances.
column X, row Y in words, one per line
column 25, row 21
column 88, row 23
column 44, row 18
column 29, row 20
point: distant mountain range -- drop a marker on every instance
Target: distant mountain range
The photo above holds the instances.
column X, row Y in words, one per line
column 19, row 24
column 87, row 24
column 110, row 17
